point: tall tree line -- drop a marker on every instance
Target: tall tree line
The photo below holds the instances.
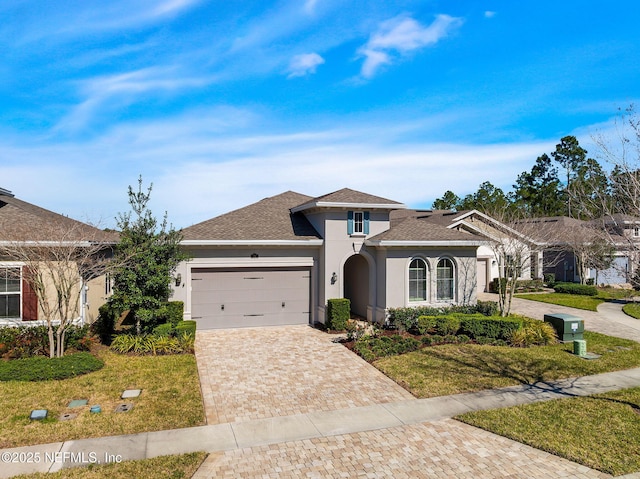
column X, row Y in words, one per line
column 565, row 183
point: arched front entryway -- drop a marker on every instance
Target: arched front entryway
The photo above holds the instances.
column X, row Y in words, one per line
column 356, row 284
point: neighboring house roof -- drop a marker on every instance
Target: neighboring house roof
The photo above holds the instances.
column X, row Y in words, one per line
column 556, row 230
column 268, row 220
column 417, row 231
column 348, row 198
column 22, row 221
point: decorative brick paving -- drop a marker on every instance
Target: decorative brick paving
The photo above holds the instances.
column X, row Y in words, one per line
column 442, row 449
column 256, row 373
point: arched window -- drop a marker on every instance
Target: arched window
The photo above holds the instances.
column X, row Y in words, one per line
column 417, row 280
column 445, row 284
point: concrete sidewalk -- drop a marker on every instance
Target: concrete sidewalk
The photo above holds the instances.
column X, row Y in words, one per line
column 261, row 432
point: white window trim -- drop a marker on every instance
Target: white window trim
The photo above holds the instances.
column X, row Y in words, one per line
column 357, row 232
column 453, row 281
column 417, row 302
column 14, row 264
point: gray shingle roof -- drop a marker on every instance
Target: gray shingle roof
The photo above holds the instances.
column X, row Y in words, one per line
column 416, row 230
column 346, row 195
column 268, row 219
column 22, row 221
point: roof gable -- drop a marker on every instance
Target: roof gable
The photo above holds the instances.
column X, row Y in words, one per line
column 348, row 198
column 269, row 219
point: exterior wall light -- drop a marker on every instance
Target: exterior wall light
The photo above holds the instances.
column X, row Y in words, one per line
column 334, row 278
column 178, row 279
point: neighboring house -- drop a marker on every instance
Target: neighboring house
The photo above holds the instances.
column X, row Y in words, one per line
column 567, row 241
column 475, row 222
column 22, row 223
column 623, row 231
column 279, row 260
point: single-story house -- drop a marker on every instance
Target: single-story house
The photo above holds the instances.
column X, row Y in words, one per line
column 607, row 246
column 26, row 225
column 279, row 261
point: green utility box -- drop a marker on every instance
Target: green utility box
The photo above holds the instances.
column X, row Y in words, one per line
column 567, row 326
column 580, row 347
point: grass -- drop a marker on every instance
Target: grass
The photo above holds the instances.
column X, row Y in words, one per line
column 457, row 368
column 589, row 303
column 632, row 309
column 163, row 467
column 170, row 399
column 601, row 432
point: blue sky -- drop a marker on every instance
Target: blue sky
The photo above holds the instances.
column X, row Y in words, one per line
column 220, row 104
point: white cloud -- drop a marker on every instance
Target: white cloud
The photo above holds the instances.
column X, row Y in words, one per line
column 201, row 166
column 400, row 36
column 304, row 64
column 113, row 91
column 489, row 14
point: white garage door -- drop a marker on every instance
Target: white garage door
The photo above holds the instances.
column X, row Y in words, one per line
column 237, row 298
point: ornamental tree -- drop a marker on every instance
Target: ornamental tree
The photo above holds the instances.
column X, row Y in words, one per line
column 148, row 254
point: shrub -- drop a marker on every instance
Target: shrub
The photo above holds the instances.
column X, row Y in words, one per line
column 487, row 308
column 574, row 288
column 447, row 325
column 371, row 349
column 150, row 344
column 28, row 341
column 338, row 313
column 24, row 341
column 104, row 326
column 407, row 318
column 426, row 324
column 533, row 333
column 175, row 311
column 163, row 330
column 44, row 369
column 489, row 327
column 550, row 279
column 185, row 327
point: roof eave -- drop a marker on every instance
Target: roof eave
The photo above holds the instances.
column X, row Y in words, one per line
column 343, row 205
column 313, row 242
column 441, row 243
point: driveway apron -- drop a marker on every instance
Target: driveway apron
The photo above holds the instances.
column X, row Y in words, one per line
column 257, row 373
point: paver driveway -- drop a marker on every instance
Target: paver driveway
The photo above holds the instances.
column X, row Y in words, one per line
column 256, row 373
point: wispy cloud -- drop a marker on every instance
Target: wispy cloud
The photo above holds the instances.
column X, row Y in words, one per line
column 489, row 14
column 216, row 161
column 401, row 35
column 115, row 91
column 304, row 64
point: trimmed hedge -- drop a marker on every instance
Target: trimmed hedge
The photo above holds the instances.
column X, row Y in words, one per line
column 338, row 313
column 574, row 288
column 407, row 318
column 180, row 327
column 44, row 369
column 490, row 327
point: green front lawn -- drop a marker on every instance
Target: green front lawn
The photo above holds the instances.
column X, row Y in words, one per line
column 632, row 309
column 170, row 399
column 590, row 303
column 601, row 432
column 457, row 368
column 174, row 467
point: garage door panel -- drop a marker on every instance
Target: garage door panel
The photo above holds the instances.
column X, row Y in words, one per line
column 244, row 298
